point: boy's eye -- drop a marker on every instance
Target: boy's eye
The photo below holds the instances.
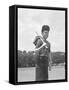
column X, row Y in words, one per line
column 45, row 32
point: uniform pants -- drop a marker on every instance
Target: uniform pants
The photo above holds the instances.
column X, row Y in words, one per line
column 42, row 68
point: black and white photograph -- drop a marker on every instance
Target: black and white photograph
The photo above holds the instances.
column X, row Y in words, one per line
column 41, row 45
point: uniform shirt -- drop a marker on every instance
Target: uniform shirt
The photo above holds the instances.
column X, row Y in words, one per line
column 44, row 51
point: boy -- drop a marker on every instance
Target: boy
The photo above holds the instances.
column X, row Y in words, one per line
column 42, row 48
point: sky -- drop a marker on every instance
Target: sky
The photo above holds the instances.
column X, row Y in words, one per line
column 32, row 20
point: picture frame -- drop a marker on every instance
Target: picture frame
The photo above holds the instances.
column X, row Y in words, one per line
column 15, row 26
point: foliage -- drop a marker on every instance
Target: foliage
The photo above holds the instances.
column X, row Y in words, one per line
column 28, row 59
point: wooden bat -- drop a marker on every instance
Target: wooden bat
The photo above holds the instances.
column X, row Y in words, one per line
column 44, row 44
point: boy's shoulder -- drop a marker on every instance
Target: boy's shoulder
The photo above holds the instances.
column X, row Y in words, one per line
column 47, row 42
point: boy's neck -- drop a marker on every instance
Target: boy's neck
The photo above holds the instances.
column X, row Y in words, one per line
column 44, row 39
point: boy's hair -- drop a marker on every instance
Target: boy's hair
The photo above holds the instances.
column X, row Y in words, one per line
column 45, row 28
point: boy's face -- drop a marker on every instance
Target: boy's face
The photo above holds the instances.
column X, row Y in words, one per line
column 45, row 34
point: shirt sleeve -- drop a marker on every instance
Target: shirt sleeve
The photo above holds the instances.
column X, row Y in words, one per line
column 39, row 43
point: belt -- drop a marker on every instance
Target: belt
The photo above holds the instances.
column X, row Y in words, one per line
column 43, row 55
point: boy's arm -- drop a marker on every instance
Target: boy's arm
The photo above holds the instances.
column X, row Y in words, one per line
column 35, row 40
column 50, row 58
column 50, row 61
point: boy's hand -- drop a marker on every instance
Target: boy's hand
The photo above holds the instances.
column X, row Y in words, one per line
column 49, row 66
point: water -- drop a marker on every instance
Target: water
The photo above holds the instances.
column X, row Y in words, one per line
column 26, row 74
column 57, row 72
column 29, row 74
